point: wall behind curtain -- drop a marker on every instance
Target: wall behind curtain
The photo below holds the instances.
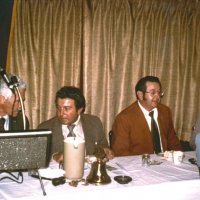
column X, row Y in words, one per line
column 105, row 47
column 6, row 7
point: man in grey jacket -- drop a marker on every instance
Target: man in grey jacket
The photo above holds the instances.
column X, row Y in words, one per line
column 70, row 105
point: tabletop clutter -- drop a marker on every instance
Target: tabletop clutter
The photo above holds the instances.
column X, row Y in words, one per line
column 74, row 161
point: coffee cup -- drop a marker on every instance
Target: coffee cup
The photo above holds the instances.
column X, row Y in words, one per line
column 177, row 157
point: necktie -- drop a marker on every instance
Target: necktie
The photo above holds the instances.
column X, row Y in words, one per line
column 71, row 132
column 2, row 122
column 155, row 134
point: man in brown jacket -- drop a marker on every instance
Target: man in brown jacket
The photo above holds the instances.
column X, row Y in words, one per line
column 131, row 131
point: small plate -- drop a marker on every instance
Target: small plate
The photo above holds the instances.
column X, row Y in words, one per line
column 123, row 179
column 155, row 162
column 51, row 173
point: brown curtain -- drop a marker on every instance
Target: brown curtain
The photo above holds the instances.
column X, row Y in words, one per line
column 105, row 47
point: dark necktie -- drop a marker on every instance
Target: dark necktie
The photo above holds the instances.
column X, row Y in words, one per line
column 2, row 122
column 155, row 134
column 71, row 132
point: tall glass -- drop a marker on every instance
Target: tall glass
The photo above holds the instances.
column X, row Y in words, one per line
column 74, row 157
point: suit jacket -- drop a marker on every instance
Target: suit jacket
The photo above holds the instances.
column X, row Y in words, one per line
column 16, row 123
column 131, row 134
column 92, row 128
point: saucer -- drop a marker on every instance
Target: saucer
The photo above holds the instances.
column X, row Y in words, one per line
column 123, row 179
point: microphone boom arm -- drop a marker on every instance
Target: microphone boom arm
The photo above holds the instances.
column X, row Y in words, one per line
column 22, row 105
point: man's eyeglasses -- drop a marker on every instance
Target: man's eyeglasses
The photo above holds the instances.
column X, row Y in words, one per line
column 153, row 93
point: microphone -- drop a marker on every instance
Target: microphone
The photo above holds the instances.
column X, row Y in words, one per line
column 5, row 77
column 13, row 82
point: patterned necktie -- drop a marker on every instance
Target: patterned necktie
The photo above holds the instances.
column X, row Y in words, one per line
column 155, row 134
column 71, row 132
column 2, row 122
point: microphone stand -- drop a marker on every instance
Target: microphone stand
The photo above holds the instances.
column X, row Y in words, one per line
column 13, row 85
column 22, row 106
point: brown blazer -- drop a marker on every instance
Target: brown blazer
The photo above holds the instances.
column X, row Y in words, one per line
column 131, row 134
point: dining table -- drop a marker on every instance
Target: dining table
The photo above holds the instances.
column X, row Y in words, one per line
column 161, row 179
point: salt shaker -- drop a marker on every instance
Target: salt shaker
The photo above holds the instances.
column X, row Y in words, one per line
column 145, row 160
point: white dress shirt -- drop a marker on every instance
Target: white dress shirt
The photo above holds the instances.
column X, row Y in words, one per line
column 6, row 124
column 148, row 118
column 78, row 130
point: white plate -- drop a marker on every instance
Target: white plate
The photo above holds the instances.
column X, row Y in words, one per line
column 51, row 173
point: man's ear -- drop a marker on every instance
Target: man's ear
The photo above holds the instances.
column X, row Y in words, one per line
column 140, row 95
column 80, row 110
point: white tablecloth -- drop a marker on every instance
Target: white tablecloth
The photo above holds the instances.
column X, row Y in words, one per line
column 164, row 181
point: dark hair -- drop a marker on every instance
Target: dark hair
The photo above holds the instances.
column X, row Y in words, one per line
column 141, row 84
column 74, row 93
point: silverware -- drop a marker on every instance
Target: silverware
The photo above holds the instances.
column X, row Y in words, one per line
column 155, row 162
column 110, row 168
column 120, row 166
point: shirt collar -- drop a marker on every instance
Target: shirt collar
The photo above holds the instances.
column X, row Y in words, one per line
column 77, row 121
column 6, row 117
column 146, row 112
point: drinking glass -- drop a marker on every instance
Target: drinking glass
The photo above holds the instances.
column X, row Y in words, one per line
column 146, row 160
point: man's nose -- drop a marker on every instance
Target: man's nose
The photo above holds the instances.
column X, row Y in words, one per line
column 62, row 111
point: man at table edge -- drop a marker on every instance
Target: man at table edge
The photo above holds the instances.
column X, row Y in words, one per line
column 131, row 134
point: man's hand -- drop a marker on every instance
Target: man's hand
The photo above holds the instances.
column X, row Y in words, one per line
column 58, row 157
column 109, row 153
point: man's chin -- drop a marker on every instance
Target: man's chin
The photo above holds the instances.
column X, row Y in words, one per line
column 155, row 104
column 63, row 121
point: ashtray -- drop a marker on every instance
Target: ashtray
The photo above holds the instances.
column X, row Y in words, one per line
column 192, row 161
column 123, row 179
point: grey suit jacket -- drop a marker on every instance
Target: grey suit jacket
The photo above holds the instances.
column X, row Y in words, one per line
column 92, row 128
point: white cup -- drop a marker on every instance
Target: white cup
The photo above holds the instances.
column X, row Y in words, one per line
column 177, row 157
column 74, row 157
column 168, row 155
